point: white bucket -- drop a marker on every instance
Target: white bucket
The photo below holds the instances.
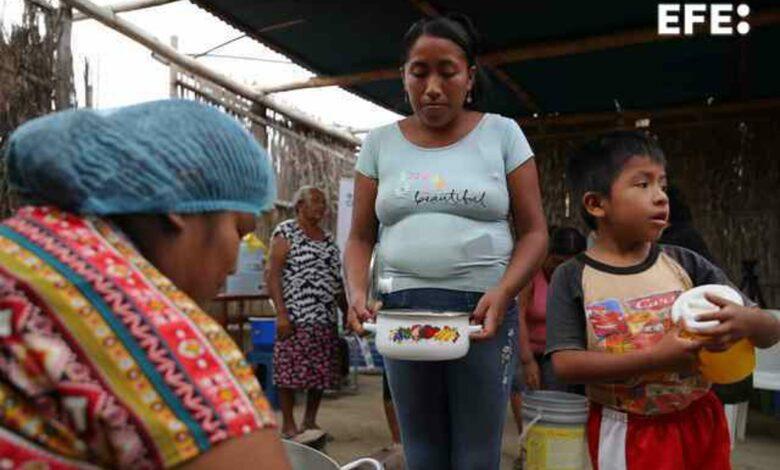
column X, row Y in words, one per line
column 554, row 431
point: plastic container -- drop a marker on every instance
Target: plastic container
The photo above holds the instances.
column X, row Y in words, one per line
column 263, row 365
column 263, row 333
column 554, row 431
column 251, row 254
column 244, row 284
column 730, row 366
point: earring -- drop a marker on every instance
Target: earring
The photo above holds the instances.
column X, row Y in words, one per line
column 406, row 97
column 468, row 97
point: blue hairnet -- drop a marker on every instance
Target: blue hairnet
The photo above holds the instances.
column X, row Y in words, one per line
column 157, row 157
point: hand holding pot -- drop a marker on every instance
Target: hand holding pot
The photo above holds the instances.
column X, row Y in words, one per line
column 359, row 312
column 490, row 313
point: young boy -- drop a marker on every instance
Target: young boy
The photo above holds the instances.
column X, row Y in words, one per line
column 609, row 323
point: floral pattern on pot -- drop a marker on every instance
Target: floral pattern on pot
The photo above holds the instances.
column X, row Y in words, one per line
column 417, row 333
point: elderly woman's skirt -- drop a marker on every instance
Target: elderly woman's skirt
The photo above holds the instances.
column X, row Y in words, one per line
column 308, row 358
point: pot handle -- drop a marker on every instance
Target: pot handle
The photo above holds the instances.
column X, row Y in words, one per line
column 375, row 463
column 474, row 328
column 370, row 327
column 527, row 428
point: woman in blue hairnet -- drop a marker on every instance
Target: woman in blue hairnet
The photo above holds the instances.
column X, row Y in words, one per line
column 132, row 218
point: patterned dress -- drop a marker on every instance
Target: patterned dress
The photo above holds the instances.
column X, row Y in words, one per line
column 103, row 361
column 311, row 284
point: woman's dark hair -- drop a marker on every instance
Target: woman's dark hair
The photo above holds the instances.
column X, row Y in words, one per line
column 455, row 27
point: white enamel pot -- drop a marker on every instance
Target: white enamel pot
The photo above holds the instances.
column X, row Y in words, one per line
column 418, row 335
column 305, row 458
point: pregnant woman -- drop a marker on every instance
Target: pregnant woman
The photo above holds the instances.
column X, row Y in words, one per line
column 456, row 194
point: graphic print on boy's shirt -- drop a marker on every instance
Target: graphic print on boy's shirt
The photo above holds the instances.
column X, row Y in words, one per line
column 633, row 323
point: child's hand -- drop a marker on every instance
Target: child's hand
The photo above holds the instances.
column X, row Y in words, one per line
column 675, row 353
column 737, row 322
column 532, row 374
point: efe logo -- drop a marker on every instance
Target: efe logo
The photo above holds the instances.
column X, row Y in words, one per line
column 720, row 16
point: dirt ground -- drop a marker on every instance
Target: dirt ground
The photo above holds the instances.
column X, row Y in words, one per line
column 356, row 422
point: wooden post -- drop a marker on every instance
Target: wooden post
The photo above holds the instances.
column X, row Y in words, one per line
column 173, row 72
column 87, row 85
column 64, row 91
column 743, row 79
column 258, row 129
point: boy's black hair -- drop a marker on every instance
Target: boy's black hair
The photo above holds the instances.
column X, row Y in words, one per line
column 595, row 166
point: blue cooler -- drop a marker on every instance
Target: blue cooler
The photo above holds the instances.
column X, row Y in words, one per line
column 262, row 363
column 261, row 357
column 263, row 332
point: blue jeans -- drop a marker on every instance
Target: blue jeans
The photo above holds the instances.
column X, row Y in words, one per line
column 452, row 413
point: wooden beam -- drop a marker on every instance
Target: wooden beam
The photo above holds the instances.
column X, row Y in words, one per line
column 547, row 50
column 128, row 5
column 342, row 80
column 525, row 97
column 110, row 19
column 534, row 51
column 694, row 110
column 765, row 18
column 599, row 43
column 536, row 135
column 427, row 9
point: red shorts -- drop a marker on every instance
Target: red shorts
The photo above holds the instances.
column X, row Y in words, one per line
column 696, row 437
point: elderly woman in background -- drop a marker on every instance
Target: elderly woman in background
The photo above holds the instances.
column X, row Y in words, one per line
column 134, row 217
column 304, row 282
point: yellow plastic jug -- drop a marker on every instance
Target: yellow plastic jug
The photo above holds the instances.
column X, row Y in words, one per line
column 732, row 365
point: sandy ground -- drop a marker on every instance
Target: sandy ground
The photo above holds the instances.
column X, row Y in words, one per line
column 357, row 423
